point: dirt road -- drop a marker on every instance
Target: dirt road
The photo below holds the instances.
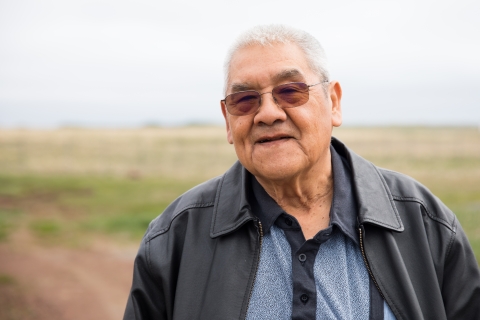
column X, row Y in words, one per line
column 52, row 282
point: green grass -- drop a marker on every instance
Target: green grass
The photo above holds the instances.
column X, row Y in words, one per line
column 5, row 226
column 59, row 206
column 45, row 227
column 8, row 222
column 5, row 279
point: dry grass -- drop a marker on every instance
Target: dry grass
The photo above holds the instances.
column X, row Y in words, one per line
column 203, row 151
column 185, row 153
column 425, row 153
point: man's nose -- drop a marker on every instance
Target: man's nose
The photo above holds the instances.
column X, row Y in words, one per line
column 269, row 111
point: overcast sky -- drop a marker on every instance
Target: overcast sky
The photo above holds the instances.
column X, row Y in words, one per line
column 130, row 63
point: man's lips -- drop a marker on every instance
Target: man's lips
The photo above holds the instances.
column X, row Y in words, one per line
column 266, row 139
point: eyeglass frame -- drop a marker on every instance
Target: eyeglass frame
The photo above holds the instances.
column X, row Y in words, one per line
column 261, row 94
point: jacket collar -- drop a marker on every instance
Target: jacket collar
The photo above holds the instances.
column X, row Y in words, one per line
column 231, row 208
column 375, row 201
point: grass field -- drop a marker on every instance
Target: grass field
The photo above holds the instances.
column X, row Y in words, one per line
column 67, row 184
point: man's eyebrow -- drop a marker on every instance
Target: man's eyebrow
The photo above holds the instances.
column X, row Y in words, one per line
column 290, row 74
column 237, row 87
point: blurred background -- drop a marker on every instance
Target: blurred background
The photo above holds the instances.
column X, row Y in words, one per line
column 110, row 109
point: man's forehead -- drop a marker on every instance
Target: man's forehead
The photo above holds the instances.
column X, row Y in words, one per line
column 272, row 63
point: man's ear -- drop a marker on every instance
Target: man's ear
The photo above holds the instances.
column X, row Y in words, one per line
column 225, row 115
column 335, row 91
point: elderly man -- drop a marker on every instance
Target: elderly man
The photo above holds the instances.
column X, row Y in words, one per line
column 300, row 227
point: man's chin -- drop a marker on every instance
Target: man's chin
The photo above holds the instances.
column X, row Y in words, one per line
column 276, row 170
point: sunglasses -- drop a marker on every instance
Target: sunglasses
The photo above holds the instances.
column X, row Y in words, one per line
column 288, row 95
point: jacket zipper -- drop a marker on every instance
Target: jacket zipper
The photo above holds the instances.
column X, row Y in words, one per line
column 366, row 262
column 260, row 234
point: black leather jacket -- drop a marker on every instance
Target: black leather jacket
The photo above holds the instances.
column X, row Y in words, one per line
column 198, row 259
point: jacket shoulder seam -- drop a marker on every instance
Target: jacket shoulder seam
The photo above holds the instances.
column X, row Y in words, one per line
column 429, row 213
column 178, row 213
column 217, row 200
column 150, row 268
column 450, row 243
column 147, row 253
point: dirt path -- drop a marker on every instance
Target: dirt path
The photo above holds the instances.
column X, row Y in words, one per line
column 51, row 282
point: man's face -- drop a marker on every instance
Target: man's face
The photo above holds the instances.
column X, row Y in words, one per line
column 277, row 144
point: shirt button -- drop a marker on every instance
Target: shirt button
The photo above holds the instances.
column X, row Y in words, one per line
column 302, row 257
column 288, row 221
column 304, row 298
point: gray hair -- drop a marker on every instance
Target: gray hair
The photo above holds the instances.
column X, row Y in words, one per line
column 270, row 34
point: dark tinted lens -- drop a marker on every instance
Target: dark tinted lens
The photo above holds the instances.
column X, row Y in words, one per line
column 291, row 94
column 242, row 103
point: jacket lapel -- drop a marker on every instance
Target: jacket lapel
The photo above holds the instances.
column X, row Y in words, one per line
column 375, row 201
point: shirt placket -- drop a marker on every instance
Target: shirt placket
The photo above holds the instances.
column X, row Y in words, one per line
column 303, row 259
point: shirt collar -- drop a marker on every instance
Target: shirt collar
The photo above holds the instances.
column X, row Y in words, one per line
column 343, row 212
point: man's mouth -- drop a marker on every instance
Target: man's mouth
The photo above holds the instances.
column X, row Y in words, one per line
column 265, row 140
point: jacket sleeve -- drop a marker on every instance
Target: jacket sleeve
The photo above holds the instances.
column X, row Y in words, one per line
column 147, row 298
column 461, row 281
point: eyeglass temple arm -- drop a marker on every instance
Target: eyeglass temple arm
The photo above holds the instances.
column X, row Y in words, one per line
column 311, row 85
